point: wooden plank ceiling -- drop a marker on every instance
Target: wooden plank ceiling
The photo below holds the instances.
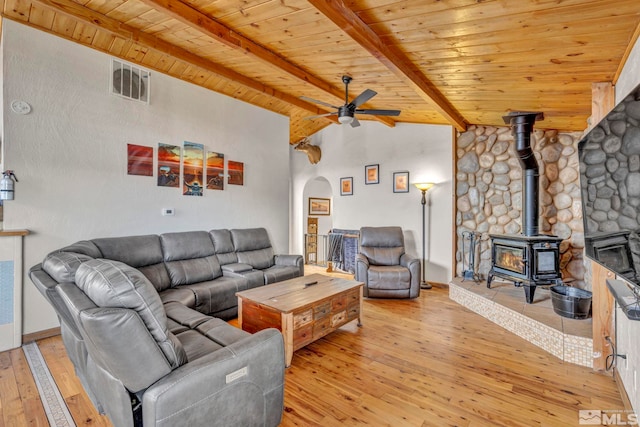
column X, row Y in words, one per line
column 457, row 62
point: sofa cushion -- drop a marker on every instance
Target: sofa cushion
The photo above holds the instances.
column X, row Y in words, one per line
column 393, row 277
column 253, row 247
column 141, row 252
column 190, row 257
column 189, row 271
column 249, row 239
column 259, row 259
column 112, row 284
column 186, row 245
column 217, row 295
column 223, row 246
column 62, row 266
column 136, row 251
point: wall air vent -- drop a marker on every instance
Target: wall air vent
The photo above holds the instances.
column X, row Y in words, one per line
column 129, row 81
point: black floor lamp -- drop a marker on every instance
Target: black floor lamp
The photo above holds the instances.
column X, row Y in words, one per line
column 424, row 186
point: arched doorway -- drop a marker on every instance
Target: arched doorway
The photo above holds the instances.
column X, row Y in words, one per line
column 315, row 249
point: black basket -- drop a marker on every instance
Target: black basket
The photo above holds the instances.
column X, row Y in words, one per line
column 573, row 303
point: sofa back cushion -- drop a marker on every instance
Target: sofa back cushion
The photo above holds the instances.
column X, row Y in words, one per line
column 190, row 257
column 253, row 247
column 141, row 252
column 382, row 245
column 112, row 284
column 223, row 245
column 62, row 265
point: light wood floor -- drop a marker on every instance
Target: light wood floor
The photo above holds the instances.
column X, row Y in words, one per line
column 423, row 362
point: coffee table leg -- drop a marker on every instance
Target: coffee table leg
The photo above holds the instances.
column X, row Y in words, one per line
column 361, row 306
column 287, row 334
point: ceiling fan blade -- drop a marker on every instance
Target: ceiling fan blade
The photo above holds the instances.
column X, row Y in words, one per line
column 306, row 98
column 320, row 115
column 363, row 97
column 379, row 112
column 355, row 123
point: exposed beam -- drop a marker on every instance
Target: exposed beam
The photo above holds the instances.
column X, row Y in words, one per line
column 223, row 34
column 116, row 28
column 390, row 56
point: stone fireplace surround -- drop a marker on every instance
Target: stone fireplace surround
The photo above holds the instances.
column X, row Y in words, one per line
column 489, row 194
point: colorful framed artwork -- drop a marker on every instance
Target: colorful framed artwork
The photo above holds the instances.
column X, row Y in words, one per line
column 193, row 169
column 318, row 206
column 371, row 174
column 168, row 165
column 139, row 160
column 401, row 182
column 215, row 171
column 236, row 172
column 346, row 186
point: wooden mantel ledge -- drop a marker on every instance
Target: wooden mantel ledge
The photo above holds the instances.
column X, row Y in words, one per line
column 7, row 233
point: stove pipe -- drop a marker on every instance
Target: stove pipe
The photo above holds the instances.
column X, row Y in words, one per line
column 521, row 128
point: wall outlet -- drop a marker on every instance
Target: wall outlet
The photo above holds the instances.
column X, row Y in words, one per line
column 168, row 211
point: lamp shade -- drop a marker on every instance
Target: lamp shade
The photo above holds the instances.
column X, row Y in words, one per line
column 424, row 186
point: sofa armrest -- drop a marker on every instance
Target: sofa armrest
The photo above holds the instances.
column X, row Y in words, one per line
column 236, row 385
column 413, row 264
column 291, row 260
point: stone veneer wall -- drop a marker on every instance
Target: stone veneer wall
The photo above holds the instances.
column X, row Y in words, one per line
column 489, row 194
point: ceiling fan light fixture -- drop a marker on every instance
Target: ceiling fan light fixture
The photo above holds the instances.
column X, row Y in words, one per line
column 345, row 120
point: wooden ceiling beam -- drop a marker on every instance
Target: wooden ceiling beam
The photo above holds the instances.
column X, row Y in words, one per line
column 390, row 56
column 104, row 23
column 223, row 34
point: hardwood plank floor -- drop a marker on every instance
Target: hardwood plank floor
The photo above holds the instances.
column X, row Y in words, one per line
column 423, row 362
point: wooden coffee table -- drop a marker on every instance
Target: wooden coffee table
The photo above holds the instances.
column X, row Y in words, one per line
column 303, row 313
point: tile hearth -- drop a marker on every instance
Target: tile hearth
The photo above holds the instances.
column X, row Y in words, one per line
column 504, row 304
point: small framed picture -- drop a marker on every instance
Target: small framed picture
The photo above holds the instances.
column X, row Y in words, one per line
column 318, row 206
column 346, row 186
column 401, row 182
column 371, row 174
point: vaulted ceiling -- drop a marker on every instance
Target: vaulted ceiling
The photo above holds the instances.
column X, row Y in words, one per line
column 455, row 62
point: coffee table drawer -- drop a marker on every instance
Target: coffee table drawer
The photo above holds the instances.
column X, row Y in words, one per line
column 322, row 327
column 303, row 336
column 302, row 319
column 322, row 310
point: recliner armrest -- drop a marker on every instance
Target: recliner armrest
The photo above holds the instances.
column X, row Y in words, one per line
column 407, row 260
column 235, row 385
column 291, row 260
column 413, row 264
column 362, row 265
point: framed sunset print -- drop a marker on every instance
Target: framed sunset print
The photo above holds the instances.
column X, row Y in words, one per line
column 318, row 206
column 372, row 174
column 346, row 186
column 401, row 182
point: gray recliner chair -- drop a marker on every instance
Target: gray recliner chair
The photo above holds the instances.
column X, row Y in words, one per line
column 384, row 267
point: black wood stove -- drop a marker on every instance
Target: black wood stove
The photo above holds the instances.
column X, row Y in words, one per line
column 528, row 259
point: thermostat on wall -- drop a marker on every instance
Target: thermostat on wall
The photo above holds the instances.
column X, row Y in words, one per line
column 168, row 211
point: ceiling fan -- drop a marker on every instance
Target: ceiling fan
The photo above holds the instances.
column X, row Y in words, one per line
column 346, row 113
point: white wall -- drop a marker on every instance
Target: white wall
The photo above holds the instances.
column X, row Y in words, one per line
column 423, row 150
column 69, row 154
column 627, row 330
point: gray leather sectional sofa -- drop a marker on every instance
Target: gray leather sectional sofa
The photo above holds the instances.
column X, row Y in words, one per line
column 142, row 321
